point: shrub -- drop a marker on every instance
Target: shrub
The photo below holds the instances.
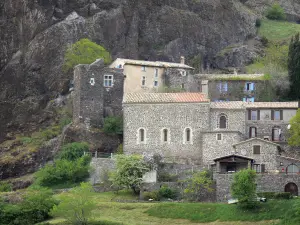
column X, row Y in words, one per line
column 276, row 12
column 73, row 150
column 166, row 192
column 151, row 195
column 275, row 195
column 84, row 51
column 113, row 125
column 120, row 149
column 5, row 187
column 167, row 177
column 63, row 171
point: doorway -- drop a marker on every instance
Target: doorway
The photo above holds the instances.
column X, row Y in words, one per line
column 292, row 188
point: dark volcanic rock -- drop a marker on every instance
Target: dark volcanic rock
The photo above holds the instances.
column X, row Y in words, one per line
column 35, row 34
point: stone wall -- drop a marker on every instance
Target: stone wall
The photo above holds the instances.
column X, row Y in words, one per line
column 100, row 169
column 174, row 79
column 265, row 183
column 213, row 148
column 92, row 101
column 153, row 118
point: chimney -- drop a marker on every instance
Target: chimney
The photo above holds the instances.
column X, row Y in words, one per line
column 182, row 60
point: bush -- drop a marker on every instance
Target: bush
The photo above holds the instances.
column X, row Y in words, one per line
column 166, row 192
column 63, row 171
column 34, row 208
column 276, row 12
column 275, row 195
column 5, row 187
column 167, row 177
column 151, row 195
column 113, row 125
column 73, row 150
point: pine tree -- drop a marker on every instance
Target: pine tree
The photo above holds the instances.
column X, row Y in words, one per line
column 294, row 68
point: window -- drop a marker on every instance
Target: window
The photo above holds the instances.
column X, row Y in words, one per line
column 142, row 135
column 143, row 80
column 223, row 87
column 182, row 86
column 155, row 83
column 253, row 114
column 249, row 86
column 256, row 149
column 276, row 133
column 155, row 72
column 276, row 114
column 187, row 135
column 292, row 169
column 183, row 73
column 222, row 121
column 92, row 81
column 108, row 80
column 248, row 99
column 257, row 168
column 219, row 137
column 144, row 68
column 252, row 132
column 165, row 135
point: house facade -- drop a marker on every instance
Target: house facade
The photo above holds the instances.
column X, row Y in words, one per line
column 149, row 76
column 223, row 136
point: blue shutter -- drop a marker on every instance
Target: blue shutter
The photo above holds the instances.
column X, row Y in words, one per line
column 244, row 99
column 219, row 86
column 225, row 86
column 251, row 87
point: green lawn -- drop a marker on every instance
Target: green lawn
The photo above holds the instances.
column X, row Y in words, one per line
column 278, row 30
column 111, row 207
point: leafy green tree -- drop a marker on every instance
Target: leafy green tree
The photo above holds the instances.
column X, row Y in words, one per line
column 113, row 125
column 276, row 12
column 84, row 51
column 294, row 68
column 129, row 172
column 294, row 139
column 243, row 187
column 199, row 182
column 73, row 151
column 76, row 206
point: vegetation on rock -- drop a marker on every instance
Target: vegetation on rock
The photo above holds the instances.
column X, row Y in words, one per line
column 276, row 12
column 113, row 125
column 294, row 68
column 84, row 51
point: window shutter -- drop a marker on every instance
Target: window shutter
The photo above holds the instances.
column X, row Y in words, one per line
column 281, row 114
column 244, row 99
column 258, row 114
column 249, row 114
column 272, row 114
column 273, row 134
column 250, row 132
column 263, row 168
column 251, row 86
column 255, row 131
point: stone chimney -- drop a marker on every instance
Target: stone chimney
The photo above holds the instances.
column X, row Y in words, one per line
column 182, row 60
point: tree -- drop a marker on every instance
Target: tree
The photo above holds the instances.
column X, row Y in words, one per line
column 276, row 12
column 294, row 139
column 84, row 51
column 73, row 151
column 129, row 172
column 199, row 182
column 243, row 187
column 294, row 68
column 76, row 206
column 113, row 125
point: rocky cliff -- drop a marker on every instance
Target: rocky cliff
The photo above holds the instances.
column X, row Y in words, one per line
column 35, row 34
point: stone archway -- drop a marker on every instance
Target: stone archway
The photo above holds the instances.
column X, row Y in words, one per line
column 292, row 188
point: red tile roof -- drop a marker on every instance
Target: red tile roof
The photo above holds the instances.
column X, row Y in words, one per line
column 165, row 98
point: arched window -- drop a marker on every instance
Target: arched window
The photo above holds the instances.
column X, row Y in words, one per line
column 187, row 135
column 141, row 135
column 292, row 169
column 222, row 121
column 165, row 135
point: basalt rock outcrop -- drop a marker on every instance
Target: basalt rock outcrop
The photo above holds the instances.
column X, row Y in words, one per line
column 35, row 34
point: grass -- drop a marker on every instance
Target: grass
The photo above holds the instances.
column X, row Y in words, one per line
column 112, row 207
column 278, row 30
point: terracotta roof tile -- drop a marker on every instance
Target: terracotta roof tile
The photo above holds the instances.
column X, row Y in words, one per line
column 164, row 98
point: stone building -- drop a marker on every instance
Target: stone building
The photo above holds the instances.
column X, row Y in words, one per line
column 223, row 136
column 98, row 93
column 149, row 76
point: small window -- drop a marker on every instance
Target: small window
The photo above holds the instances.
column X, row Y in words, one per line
column 155, row 83
column 257, row 168
column 183, row 73
column 256, row 149
column 253, row 114
column 165, row 135
column 108, row 80
column 92, row 81
column 155, row 72
column 277, row 115
column 219, row 137
column 143, row 80
column 182, row 86
column 142, row 135
column 252, row 132
column 292, row 169
column 249, row 86
column 223, row 87
column 187, row 135
column 143, row 68
column 222, row 122
column 276, row 133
